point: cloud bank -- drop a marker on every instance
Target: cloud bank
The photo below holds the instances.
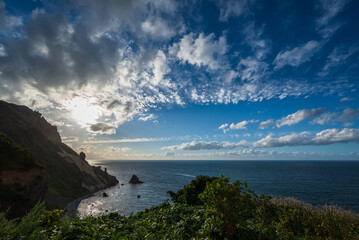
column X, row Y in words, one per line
column 201, row 145
column 325, row 137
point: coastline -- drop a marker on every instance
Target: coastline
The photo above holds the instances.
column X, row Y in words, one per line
column 71, row 208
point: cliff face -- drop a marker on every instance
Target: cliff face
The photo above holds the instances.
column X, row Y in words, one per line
column 61, row 174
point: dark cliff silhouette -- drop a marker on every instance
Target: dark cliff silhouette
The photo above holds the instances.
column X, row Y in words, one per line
column 35, row 165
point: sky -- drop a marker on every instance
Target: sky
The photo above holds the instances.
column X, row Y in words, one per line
column 183, row 80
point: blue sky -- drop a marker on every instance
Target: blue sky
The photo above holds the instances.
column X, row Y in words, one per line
column 148, row 79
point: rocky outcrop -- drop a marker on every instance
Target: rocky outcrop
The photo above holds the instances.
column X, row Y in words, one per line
column 68, row 175
column 135, row 180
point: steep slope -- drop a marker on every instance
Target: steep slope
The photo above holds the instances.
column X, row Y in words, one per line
column 23, row 180
column 68, row 176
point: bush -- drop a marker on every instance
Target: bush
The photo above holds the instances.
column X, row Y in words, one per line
column 232, row 204
column 189, row 193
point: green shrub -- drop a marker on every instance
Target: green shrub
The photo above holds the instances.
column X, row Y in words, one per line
column 189, row 193
column 232, row 204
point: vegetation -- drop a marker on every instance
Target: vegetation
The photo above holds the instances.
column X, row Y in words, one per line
column 12, row 156
column 220, row 210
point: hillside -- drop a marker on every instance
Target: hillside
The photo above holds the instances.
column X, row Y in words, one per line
column 29, row 142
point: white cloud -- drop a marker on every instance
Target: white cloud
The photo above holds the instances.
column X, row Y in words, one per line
column 127, row 140
column 3, row 52
column 254, row 38
column 325, row 137
column 299, row 116
column 147, row 117
column 157, row 28
column 232, row 8
column 118, row 149
column 69, row 139
column 251, row 69
column 159, row 69
column 265, row 124
column 330, row 8
column 223, row 127
column 201, row 145
column 201, row 50
column 346, row 99
column 235, row 126
column 337, row 58
column 296, row 56
column 240, row 125
column 348, row 114
column 324, row 118
column 8, row 22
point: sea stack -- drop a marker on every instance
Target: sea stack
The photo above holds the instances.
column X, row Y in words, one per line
column 135, row 180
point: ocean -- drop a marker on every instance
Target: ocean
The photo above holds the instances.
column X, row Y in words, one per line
column 314, row 182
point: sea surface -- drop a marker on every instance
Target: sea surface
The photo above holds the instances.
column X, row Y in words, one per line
column 314, row 182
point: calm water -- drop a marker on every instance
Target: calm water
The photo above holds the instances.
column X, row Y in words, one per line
column 315, row 182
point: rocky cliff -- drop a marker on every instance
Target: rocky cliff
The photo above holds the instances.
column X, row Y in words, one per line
column 41, row 167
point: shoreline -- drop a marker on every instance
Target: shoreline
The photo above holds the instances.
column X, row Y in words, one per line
column 71, row 208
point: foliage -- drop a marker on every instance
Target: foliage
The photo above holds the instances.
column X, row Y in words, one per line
column 14, row 229
column 232, row 204
column 228, row 211
column 189, row 193
column 12, row 156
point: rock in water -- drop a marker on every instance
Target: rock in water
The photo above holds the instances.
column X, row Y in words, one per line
column 104, row 194
column 135, row 179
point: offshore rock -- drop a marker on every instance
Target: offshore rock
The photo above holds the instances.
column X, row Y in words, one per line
column 135, row 180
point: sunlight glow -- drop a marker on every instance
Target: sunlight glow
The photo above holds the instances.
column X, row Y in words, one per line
column 83, row 111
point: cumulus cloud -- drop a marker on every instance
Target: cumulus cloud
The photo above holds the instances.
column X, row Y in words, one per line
column 325, row 137
column 223, row 127
column 235, row 126
column 201, row 50
column 106, row 51
column 102, row 128
column 201, row 145
column 265, row 124
column 299, row 116
column 296, row 56
column 240, row 125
